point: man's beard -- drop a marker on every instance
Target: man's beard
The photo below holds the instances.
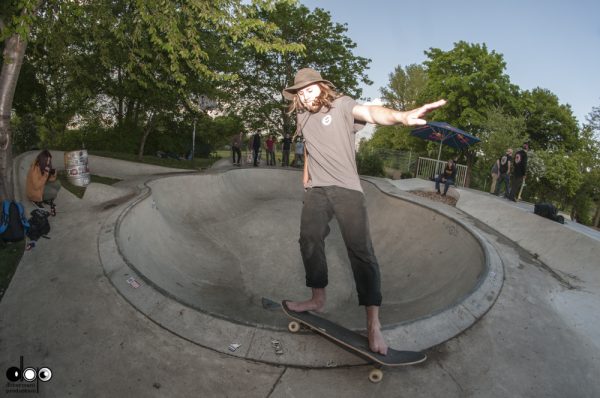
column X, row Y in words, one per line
column 314, row 106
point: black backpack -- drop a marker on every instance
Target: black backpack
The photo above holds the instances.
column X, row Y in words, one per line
column 548, row 210
column 38, row 224
column 13, row 223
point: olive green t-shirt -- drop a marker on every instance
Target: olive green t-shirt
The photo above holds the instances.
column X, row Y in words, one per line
column 330, row 136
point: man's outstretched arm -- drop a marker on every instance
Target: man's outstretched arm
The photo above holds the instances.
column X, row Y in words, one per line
column 386, row 117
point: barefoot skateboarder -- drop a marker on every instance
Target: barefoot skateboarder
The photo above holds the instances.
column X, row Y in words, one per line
column 328, row 122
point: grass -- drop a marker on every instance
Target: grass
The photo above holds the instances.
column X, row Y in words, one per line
column 10, row 255
column 79, row 191
column 199, row 163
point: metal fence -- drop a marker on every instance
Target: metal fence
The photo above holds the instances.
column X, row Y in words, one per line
column 400, row 164
column 429, row 168
column 397, row 163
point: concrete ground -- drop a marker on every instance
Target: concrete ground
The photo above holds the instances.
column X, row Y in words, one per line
column 541, row 338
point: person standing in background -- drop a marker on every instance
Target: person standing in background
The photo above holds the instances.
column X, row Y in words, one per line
column 505, row 169
column 520, row 171
column 286, row 145
column 255, row 148
column 495, row 173
column 299, row 153
column 270, row 148
column 236, row 149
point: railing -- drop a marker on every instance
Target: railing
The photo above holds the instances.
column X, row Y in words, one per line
column 429, row 168
column 396, row 163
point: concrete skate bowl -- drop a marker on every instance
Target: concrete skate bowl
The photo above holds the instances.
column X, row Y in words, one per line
column 218, row 243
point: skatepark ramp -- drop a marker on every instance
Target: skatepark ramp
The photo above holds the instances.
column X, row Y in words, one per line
column 220, row 242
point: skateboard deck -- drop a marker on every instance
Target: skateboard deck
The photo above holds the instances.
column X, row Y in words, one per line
column 270, row 305
column 352, row 341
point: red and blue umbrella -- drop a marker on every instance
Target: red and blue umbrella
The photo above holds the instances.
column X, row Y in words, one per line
column 445, row 134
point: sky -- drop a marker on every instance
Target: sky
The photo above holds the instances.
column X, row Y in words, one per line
column 552, row 44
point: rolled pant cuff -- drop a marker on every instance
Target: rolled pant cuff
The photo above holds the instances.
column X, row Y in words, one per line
column 369, row 303
column 317, row 285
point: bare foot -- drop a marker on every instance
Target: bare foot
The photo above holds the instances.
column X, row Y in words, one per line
column 376, row 341
column 308, row 305
column 316, row 303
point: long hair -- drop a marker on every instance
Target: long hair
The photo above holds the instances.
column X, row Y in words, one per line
column 42, row 160
column 327, row 96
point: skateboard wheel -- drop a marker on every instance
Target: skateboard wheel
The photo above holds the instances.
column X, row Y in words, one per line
column 375, row 375
column 293, row 326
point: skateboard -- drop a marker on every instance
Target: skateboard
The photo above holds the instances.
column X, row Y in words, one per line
column 351, row 341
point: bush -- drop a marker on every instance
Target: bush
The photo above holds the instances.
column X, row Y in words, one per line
column 369, row 164
column 25, row 133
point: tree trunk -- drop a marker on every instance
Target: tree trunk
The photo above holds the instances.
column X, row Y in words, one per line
column 14, row 50
column 596, row 222
column 120, row 101
column 147, row 130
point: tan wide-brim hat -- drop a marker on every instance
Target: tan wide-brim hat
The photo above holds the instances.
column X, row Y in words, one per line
column 304, row 77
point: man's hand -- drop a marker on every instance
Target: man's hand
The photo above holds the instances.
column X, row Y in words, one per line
column 413, row 118
column 377, row 114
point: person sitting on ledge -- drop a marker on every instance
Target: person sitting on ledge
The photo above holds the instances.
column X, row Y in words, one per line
column 447, row 177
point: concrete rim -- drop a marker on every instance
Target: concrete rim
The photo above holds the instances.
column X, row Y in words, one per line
column 216, row 333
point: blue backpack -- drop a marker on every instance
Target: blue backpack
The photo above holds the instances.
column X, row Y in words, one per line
column 13, row 223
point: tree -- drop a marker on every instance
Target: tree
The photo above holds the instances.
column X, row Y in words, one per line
column 182, row 47
column 561, row 178
column 403, row 92
column 569, row 175
column 25, row 133
column 145, row 82
column 396, row 138
column 369, row 163
column 586, row 207
column 405, row 87
column 472, row 79
column 54, row 81
column 586, row 204
column 593, row 121
column 548, row 124
column 257, row 96
column 502, row 131
column 15, row 21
